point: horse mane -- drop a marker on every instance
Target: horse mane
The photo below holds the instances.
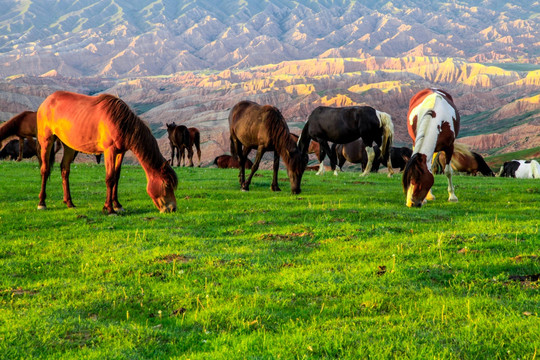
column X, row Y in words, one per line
column 388, row 132
column 462, row 149
column 136, row 136
column 281, row 137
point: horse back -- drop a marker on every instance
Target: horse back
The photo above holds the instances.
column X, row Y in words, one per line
column 344, row 124
column 78, row 120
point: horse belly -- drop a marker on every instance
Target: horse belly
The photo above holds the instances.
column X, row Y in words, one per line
column 523, row 171
column 86, row 138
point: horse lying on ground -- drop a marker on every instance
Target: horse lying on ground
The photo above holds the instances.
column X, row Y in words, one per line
column 102, row 124
column 433, row 124
column 262, row 127
column 521, row 169
column 12, row 149
column 464, row 161
column 344, row 125
column 229, row 162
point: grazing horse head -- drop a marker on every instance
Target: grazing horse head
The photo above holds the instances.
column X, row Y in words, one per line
column 417, row 180
column 433, row 124
column 161, row 188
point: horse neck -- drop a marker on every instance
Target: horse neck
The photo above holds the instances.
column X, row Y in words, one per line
column 426, row 137
column 303, row 140
column 145, row 148
column 9, row 128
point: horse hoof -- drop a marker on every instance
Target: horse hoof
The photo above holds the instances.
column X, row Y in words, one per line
column 453, row 199
column 244, row 190
column 42, row 207
column 119, row 209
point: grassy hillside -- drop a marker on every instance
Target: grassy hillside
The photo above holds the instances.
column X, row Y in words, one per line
column 344, row 270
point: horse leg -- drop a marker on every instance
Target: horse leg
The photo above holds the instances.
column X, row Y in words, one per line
column 321, row 156
column 45, row 148
column 172, row 154
column 21, row 146
column 370, row 157
column 254, row 167
column 190, row 155
column 198, row 147
column 67, row 158
column 110, row 180
column 275, row 186
column 117, row 165
column 389, row 166
column 448, row 172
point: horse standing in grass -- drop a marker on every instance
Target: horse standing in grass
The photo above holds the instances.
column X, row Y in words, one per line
column 262, row 127
column 102, row 124
column 463, row 160
column 12, row 150
column 179, row 141
column 346, row 124
column 22, row 125
column 433, row 124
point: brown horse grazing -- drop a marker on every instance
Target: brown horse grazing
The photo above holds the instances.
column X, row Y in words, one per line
column 102, row 124
column 463, row 160
column 357, row 153
column 229, row 162
column 433, row 124
column 22, row 125
column 253, row 126
column 179, row 141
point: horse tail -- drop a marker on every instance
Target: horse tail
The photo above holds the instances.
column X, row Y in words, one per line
column 388, row 134
column 535, row 169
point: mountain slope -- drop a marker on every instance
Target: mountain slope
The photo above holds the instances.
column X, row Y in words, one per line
column 117, row 38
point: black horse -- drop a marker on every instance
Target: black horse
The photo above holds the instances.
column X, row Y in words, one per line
column 399, row 156
column 346, row 124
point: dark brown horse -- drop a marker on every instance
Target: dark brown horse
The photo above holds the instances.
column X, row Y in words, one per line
column 345, row 124
column 102, row 124
column 194, row 140
column 433, row 124
column 229, row 162
column 253, row 126
column 22, row 125
column 179, row 140
column 357, row 153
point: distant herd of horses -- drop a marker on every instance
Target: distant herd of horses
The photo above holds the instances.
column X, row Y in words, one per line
column 105, row 125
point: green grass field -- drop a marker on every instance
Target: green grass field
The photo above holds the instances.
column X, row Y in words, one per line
column 344, row 270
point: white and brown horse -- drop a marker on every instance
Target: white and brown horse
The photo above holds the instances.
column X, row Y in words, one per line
column 433, row 124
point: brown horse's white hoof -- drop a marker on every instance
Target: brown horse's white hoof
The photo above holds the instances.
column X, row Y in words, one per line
column 42, row 207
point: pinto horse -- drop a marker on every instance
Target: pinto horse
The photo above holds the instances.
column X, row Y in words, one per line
column 521, row 169
column 22, row 125
column 433, row 124
column 229, row 162
column 179, row 141
column 262, row 127
column 463, row 160
column 102, row 124
column 345, row 124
